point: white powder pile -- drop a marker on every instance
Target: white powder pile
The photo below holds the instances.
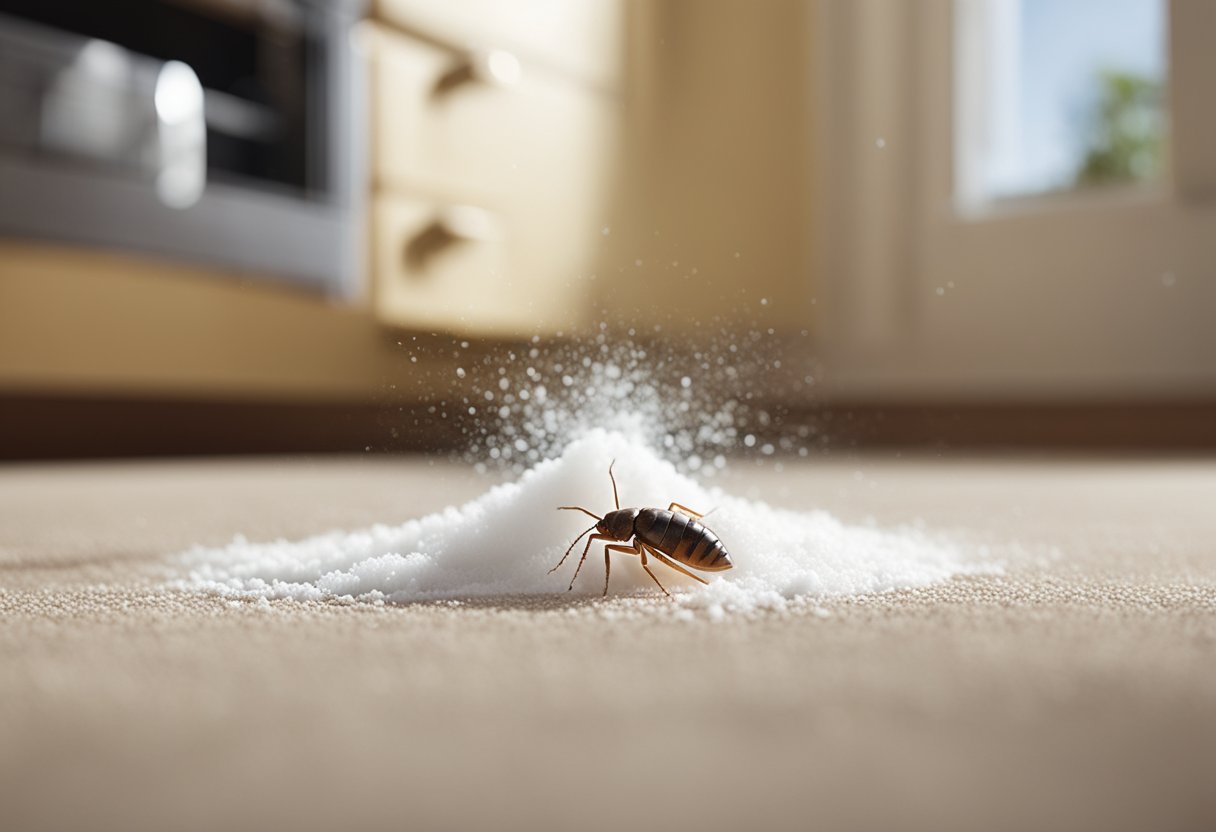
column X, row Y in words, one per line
column 504, row 543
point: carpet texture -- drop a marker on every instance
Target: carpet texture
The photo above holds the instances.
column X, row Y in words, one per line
column 1077, row 691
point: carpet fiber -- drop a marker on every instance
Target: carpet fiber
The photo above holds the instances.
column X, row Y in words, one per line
column 1077, row 691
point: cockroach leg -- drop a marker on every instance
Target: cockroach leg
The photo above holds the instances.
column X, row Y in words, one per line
column 635, row 549
column 590, row 540
column 696, row 515
column 660, row 556
column 645, row 566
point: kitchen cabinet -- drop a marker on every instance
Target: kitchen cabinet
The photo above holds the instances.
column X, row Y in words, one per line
column 491, row 155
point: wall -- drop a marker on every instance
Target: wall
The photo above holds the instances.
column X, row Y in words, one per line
column 717, row 211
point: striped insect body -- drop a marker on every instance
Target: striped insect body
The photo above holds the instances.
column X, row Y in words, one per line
column 683, row 538
column 678, row 539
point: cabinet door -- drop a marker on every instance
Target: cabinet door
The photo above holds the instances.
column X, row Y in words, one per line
column 532, row 152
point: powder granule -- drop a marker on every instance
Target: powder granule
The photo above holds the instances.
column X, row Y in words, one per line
column 504, row 543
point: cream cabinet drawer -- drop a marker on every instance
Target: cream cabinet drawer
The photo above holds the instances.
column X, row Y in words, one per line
column 477, row 125
column 441, row 267
column 464, row 269
column 537, row 156
column 580, row 37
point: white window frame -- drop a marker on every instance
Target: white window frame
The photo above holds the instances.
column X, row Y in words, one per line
column 1103, row 295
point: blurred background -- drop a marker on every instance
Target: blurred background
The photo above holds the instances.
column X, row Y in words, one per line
column 277, row 225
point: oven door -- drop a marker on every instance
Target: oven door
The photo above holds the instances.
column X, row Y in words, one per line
column 101, row 144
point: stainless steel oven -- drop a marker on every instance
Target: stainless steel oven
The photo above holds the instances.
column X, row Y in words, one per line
column 218, row 131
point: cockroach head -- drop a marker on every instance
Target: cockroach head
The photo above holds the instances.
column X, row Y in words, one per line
column 618, row 524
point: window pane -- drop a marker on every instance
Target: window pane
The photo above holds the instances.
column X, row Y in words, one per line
column 1058, row 94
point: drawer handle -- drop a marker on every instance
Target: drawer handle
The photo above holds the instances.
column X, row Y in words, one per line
column 452, row 226
column 492, row 67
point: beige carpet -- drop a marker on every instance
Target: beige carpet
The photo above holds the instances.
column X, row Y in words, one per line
column 1076, row 692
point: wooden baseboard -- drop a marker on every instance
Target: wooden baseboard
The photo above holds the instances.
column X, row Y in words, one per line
column 1097, row 426
column 70, row 427
column 67, row 427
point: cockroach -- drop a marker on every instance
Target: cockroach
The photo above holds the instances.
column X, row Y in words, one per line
column 669, row 536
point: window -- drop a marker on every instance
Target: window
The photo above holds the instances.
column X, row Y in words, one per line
column 1056, row 95
column 943, row 268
